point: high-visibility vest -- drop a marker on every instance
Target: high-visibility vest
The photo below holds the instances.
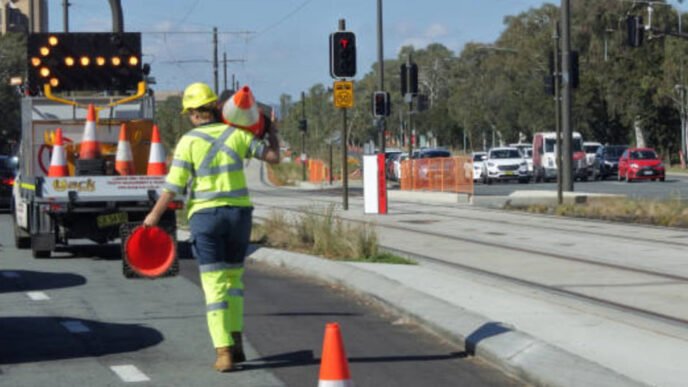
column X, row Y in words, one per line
column 208, row 167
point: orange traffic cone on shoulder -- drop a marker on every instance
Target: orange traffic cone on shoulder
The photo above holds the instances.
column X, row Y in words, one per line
column 334, row 367
column 124, row 161
column 89, row 148
column 156, row 156
column 58, row 160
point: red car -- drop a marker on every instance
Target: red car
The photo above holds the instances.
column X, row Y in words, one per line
column 640, row 164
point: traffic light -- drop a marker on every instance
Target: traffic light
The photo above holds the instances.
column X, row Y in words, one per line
column 409, row 79
column 381, row 104
column 423, row 103
column 635, row 29
column 303, row 125
column 342, row 54
column 84, row 61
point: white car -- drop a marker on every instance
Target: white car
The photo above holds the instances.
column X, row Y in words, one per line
column 505, row 163
column 590, row 149
column 478, row 158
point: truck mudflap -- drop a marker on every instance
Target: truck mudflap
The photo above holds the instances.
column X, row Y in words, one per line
column 168, row 222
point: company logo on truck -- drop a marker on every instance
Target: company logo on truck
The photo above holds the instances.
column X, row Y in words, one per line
column 61, row 185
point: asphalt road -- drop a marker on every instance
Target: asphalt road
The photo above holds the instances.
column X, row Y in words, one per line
column 74, row 319
column 675, row 187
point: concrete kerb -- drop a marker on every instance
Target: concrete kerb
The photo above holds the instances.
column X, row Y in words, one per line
column 529, row 358
column 528, row 198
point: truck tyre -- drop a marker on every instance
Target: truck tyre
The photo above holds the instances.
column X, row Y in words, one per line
column 20, row 241
column 40, row 253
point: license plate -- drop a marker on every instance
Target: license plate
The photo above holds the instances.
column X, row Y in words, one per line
column 508, row 173
column 648, row 172
column 112, row 219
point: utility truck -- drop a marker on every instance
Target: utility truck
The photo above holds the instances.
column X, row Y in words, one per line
column 67, row 72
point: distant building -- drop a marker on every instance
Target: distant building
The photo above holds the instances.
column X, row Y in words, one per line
column 15, row 16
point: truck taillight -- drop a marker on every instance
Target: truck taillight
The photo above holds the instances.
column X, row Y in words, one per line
column 8, row 181
column 175, row 205
column 54, row 207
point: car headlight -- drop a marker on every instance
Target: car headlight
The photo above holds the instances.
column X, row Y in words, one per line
column 490, row 164
column 660, row 165
column 609, row 163
column 476, row 167
column 634, row 166
column 524, row 164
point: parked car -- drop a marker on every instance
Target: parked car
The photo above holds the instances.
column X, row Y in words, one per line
column 606, row 161
column 640, row 164
column 590, row 148
column 8, row 171
column 478, row 160
column 425, row 170
column 505, row 163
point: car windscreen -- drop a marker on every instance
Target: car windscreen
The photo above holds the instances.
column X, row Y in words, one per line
column 577, row 145
column 643, row 155
column 549, row 145
column 478, row 157
column 505, row 154
column 590, row 148
column 7, row 167
column 434, row 154
column 613, row 153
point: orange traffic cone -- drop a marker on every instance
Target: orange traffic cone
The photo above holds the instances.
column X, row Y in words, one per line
column 334, row 367
column 124, row 161
column 90, row 148
column 156, row 156
column 241, row 111
column 58, row 160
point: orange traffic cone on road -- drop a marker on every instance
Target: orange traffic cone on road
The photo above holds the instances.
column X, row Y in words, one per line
column 124, row 161
column 334, row 367
column 58, row 160
column 156, row 156
column 90, row 148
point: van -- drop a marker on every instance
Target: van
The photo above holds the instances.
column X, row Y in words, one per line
column 545, row 161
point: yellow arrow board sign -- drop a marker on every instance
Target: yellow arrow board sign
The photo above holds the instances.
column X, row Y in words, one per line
column 344, row 94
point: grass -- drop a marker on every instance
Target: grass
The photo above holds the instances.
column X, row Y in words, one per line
column 285, row 173
column 323, row 233
column 667, row 213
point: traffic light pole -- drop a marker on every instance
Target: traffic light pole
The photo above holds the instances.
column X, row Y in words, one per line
column 381, row 75
column 345, row 166
column 566, row 172
column 557, row 112
column 303, row 137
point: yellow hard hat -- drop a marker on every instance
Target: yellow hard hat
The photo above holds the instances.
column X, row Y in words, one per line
column 196, row 95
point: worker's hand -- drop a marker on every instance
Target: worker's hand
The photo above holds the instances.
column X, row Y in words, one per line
column 151, row 220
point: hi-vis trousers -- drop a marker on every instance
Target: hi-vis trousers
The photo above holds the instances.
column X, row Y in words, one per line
column 220, row 238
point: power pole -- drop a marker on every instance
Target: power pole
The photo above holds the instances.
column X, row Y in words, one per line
column 215, row 64
column 65, row 15
column 224, row 61
column 567, row 152
column 303, row 136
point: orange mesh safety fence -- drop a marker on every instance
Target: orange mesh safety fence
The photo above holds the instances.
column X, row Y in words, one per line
column 446, row 174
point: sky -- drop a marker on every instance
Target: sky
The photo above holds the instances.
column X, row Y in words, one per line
column 281, row 46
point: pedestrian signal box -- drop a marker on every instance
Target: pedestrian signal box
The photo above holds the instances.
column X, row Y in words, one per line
column 381, row 104
column 84, row 61
column 342, row 54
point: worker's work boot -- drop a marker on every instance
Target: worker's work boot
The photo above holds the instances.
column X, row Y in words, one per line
column 224, row 359
column 237, row 349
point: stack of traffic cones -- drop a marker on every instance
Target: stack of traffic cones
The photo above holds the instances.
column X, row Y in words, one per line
column 124, row 161
column 156, row 156
column 58, row 160
column 334, row 367
column 90, row 148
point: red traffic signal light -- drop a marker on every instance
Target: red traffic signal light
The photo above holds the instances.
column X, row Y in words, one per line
column 342, row 54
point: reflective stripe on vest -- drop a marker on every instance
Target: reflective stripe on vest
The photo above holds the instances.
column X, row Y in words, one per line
column 235, row 292
column 220, row 266
column 216, row 306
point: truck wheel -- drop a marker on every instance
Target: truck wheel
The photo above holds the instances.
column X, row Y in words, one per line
column 21, row 241
column 40, row 253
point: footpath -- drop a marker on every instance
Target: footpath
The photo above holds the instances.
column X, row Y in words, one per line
column 541, row 340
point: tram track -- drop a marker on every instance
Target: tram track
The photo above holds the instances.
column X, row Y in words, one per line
column 529, row 283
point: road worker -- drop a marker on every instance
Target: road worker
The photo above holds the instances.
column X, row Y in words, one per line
column 208, row 163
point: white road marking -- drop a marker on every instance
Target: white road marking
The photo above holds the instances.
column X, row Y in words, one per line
column 10, row 274
column 38, row 296
column 75, row 326
column 129, row 373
